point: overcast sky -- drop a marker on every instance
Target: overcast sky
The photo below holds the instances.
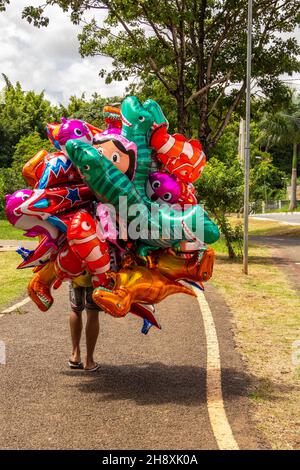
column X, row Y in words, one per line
column 48, row 58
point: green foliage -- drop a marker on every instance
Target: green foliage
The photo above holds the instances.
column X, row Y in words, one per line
column 220, row 188
column 21, row 113
column 227, row 147
column 27, row 147
column 283, row 129
column 267, row 183
column 90, row 111
column 193, row 52
column 3, row 4
column 10, row 180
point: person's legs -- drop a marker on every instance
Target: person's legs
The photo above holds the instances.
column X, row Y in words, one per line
column 91, row 332
column 92, row 328
column 76, row 329
column 76, row 300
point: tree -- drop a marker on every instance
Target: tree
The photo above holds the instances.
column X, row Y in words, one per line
column 221, row 186
column 21, row 113
column 11, row 179
column 283, row 128
column 26, row 148
column 221, row 190
column 267, row 183
column 90, row 111
column 194, row 49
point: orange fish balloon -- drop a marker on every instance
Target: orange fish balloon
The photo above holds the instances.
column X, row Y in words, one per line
column 181, row 157
column 84, row 242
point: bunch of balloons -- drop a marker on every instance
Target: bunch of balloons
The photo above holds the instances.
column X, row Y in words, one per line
column 80, row 206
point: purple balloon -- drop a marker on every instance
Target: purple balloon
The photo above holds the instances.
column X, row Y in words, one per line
column 163, row 188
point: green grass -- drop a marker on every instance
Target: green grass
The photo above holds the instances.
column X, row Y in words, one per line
column 13, row 281
column 8, row 232
column 268, row 228
column 271, row 228
column 266, row 309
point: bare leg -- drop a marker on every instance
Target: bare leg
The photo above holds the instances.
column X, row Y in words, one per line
column 76, row 329
column 91, row 332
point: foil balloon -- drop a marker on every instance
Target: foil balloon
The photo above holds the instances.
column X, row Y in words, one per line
column 120, row 151
column 52, row 130
column 197, row 268
column 59, row 134
column 46, row 203
column 67, row 265
column 32, row 224
column 112, row 118
column 33, row 169
column 180, row 156
column 163, row 188
column 84, row 242
column 76, row 209
column 73, row 129
column 136, row 284
column 39, row 287
column 108, row 183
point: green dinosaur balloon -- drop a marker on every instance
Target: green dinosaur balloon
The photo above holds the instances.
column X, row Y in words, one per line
column 138, row 120
column 108, row 183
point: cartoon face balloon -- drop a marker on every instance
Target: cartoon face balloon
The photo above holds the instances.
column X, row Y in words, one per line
column 163, row 188
column 120, row 151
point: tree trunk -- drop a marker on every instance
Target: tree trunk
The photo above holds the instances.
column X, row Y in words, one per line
column 181, row 113
column 231, row 252
column 225, row 229
column 293, row 203
column 203, row 130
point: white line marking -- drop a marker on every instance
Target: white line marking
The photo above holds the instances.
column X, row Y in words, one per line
column 14, row 307
column 215, row 404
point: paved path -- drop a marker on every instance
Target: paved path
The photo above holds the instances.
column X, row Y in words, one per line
column 291, row 218
column 150, row 392
column 12, row 245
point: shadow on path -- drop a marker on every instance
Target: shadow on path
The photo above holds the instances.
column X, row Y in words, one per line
column 158, row 383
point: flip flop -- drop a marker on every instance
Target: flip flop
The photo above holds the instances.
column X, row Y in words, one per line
column 75, row 365
column 93, row 369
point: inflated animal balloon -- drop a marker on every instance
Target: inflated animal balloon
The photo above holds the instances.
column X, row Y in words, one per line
column 108, row 184
column 85, row 243
column 59, row 134
column 136, row 284
column 180, row 156
column 163, row 188
column 112, row 118
column 39, row 287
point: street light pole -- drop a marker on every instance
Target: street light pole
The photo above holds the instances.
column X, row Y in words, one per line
column 247, row 138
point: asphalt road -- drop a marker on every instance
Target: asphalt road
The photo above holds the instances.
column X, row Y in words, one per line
column 150, row 392
column 286, row 217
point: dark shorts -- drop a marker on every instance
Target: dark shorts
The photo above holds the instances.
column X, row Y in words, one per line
column 81, row 298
